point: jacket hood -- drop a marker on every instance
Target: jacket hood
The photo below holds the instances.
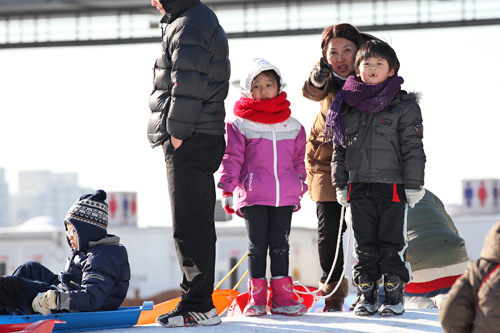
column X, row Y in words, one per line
column 491, row 247
column 108, row 240
column 254, row 68
column 175, row 8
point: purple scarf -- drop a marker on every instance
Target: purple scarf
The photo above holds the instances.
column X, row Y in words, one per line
column 367, row 98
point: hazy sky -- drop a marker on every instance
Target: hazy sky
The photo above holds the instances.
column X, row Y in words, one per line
column 84, row 109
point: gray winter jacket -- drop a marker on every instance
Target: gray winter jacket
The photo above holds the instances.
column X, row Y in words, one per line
column 384, row 147
column 191, row 76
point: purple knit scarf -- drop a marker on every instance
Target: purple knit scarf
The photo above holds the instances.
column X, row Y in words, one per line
column 367, row 98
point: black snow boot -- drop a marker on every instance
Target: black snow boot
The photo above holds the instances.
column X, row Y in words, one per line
column 394, row 287
column 368, row 302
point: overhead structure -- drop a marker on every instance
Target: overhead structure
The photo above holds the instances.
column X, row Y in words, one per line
column 42, row 23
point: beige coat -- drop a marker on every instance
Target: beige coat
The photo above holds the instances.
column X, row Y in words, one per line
column 473, row 303
column 319, row 154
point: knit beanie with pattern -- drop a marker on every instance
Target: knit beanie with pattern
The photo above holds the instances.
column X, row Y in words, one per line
column 89, row 216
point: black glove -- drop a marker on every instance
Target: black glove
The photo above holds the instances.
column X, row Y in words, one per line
column 320, row 74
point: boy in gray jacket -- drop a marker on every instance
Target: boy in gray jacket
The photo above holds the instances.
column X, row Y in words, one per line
column 378, row 169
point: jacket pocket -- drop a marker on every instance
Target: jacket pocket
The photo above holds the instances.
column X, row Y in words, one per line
column 386, row 149
column 301, row 184
column 324, row 153
column 157, row 122
column 351, row 127
column 244, row 183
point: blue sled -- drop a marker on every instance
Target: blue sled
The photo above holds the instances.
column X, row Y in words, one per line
column 82, row 321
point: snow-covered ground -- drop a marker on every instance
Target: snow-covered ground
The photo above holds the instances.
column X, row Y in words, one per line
column 412, row 320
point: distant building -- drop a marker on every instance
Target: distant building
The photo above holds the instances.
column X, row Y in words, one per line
column 43, row 193
column 4, row 200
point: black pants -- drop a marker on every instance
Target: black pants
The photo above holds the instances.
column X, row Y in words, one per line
column 268, row 227
column 380, row 230
column 329, row 213
column 18, row 291
column 191, row 187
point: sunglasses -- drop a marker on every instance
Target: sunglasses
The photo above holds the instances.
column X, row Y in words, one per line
column 70, row 233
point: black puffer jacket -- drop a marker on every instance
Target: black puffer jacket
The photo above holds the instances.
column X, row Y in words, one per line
column 384, row 147
column 191, row 77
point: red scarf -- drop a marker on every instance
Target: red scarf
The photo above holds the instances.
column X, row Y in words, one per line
column 266, row 111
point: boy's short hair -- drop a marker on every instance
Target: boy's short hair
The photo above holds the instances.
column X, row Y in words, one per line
column 376, row 49
column 271, row 74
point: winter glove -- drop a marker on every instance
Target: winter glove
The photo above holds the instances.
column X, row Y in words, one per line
column 320, row 74
column 342, row 196
column 414, row 196
column 227, row 202
column 44, row 303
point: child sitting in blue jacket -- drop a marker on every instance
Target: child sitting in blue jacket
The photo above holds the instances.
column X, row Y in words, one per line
column 96, row 276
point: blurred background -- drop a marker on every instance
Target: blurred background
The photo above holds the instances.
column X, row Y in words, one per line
column 75, row 77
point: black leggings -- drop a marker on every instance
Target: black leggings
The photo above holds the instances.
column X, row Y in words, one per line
column 329, row 213
column 268, row 227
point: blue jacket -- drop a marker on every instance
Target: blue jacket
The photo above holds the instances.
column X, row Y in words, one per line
column 97, row 278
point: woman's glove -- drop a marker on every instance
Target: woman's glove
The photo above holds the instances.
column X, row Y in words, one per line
column 227, row 202
column 414, row 196
column 44, row 303
column 320, row 74
column 342, row 196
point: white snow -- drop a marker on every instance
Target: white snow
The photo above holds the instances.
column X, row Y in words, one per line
column 413, row 320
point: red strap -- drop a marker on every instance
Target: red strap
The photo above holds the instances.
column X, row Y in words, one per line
column 482, row 284
column 348, row 193
column 395, row 196
column 227, row 194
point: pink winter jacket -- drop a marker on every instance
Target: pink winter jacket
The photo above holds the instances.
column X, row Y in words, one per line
column 264, row 163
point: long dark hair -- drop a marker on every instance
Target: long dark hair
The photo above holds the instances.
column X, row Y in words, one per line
column 343, row 30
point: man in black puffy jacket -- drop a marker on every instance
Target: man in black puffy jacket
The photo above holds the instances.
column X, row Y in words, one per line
column 191, row 82
column 97, row 272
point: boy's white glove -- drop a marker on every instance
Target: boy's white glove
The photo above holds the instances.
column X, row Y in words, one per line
column 414, row 196
column 44, row 303
column 342, row 196
column 227, row 202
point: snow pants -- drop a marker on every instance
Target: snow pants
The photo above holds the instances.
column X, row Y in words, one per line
column 191, row 187
column 380, row 229
column 328, row 213
column 268, row 227
column 18, row 290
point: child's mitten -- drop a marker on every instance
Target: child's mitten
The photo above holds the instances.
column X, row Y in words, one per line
column 342, row 196
column 227, row 202
column 320, row 74
column 45, row 302
column 414, row 196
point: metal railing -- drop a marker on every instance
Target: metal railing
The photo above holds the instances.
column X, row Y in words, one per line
column 94, row 25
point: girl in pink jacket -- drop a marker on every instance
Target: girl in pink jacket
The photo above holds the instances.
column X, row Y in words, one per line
column 264, row 167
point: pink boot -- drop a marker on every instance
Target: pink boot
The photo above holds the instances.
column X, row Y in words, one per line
column 282, row 301
column 257, row 298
